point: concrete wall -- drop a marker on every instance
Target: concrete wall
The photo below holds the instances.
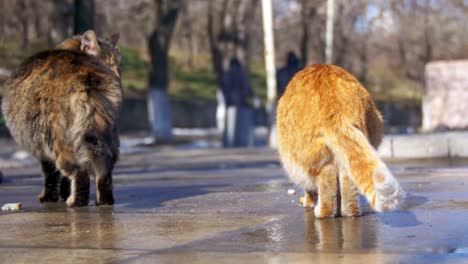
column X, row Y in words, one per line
column 445, row 102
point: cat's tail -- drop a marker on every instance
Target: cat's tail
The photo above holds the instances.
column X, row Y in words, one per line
column 359, row 160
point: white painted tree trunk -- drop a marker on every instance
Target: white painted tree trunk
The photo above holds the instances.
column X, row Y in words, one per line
column 159, row 113
column 220, row 111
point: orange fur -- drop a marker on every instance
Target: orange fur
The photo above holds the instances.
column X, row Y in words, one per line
column 327, row 127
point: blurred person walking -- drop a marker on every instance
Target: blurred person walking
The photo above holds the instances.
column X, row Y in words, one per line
column 285, row 74
column 239, row 98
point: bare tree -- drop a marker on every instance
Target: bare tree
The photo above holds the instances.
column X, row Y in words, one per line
column 309, row 13
column 60, row 21
column 430, row 25
column 84, row 16
column 229, row 30
column 22, row 12
column 167, row 12
column 2, row 21
column 187, row 28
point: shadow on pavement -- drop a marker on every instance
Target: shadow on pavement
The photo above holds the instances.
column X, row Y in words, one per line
column 141, row 197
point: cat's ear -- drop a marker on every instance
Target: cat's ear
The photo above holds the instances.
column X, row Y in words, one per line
column 114, row 39
column 89, row 43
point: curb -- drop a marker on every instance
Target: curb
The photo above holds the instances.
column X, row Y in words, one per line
column 437, row 145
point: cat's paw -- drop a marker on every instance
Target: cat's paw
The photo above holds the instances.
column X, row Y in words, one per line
column 325, row 210
column 307, row 202
column 78, row 201
column 350, row 211
column 65, row 189
column 105, row 199
column 48, row 197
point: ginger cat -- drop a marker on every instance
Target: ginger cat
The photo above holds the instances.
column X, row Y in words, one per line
column 62, row 105
column 327, row 127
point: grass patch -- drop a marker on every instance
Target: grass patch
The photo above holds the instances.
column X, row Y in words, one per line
column 11, row 54
column 258, row 79
column 201, row 84
column 390, row 84
column 134, row 70
column 197, row 84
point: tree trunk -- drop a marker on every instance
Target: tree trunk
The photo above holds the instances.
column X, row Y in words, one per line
column 159, row 113
column 364, row 61
column 159, row 62
column 217, row 64
column 158, row 101
column 305, row 18
column 216, row 54
column 158, row 44
column 247, row 24
column 60, row 21
column 83, row 16
column 2, row 22
column 38, row 25
column 24, row 21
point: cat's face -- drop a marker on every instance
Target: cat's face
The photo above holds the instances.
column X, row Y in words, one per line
column 106, row 50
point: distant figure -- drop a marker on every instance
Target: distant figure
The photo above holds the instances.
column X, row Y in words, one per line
column 285, row 74
column 236, row 85
column 238, row 94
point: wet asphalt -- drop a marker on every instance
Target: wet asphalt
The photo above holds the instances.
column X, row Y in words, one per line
column 180, row 205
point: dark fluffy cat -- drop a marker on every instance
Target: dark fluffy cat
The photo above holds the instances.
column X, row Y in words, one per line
column 62, row 106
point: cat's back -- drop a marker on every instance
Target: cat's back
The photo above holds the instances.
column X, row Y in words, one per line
column 50, row 79
column 324, row 86
column 321, row 99
column 57, row 71
column 321, row 93
column 56, row 87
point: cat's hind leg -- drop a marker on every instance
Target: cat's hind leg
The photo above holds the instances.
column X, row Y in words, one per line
column 65, row 188
column 103, row 176
column 310, row 199
column 299, row 176
column 349, row 196
column 79, row 181
column 79, row 189
column 327, row 187
column 52, row 179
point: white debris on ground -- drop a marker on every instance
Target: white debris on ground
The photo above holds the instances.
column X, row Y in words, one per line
column 291, row 191
column 21, row 155
column 12, row 207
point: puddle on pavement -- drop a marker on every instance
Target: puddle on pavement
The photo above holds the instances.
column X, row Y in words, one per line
column 106, row 230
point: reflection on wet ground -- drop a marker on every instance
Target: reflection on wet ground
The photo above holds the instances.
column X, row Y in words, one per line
column 233, row 206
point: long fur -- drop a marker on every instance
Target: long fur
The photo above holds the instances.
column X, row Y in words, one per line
column 327, row 127
column 63, row 105
column 358, row 159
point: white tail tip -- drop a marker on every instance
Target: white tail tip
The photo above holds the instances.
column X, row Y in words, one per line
column 388, row 193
